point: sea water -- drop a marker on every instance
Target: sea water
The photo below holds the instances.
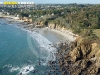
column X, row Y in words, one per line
column 21, row 51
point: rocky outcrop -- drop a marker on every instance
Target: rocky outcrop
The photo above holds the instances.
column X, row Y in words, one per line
column 82, row 58
column 26, row 19
column 52, row 26
column 55, row 26
column 62, row 29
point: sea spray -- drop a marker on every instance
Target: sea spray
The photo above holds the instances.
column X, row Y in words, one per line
column 44, row 48
column 24, row 70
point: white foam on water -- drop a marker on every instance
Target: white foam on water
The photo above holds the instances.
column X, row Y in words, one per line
column 45, row 44
column 14, row 69
column 26, row 69
column 9, row 65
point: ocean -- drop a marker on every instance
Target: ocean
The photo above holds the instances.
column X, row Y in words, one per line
column 23, row 52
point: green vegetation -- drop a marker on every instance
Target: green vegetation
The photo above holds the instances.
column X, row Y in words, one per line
column 82, row 19
column 73, row 16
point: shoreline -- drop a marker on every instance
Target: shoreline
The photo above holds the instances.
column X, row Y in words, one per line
column 53, row 38
column 59, row 36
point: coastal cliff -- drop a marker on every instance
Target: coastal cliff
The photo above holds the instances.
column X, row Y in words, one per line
column 81, row 57
column 57, row 27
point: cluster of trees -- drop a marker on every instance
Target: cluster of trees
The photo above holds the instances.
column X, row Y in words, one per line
column 72, row 16
column 75, row 18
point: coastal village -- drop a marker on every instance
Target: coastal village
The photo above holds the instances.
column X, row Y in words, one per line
column 81, row 56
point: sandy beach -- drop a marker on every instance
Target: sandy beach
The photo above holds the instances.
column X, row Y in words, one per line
column 54, row 36
column 48, row 41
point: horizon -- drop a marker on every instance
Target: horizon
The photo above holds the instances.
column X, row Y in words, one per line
column 56, row 1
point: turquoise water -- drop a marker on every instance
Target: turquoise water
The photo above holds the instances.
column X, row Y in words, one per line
column 16, row 57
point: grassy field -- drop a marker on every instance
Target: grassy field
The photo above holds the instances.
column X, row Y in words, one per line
column 97, row 32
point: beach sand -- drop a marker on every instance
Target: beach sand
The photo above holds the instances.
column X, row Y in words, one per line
column 54, row 36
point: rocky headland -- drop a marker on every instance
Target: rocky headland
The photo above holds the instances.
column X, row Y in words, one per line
column 81, row 57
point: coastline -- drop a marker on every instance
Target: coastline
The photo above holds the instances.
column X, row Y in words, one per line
column 48, row 38
column 53, row 35
column 64, row 58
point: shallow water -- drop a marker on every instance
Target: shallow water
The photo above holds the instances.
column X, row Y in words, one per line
column 21, row 51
